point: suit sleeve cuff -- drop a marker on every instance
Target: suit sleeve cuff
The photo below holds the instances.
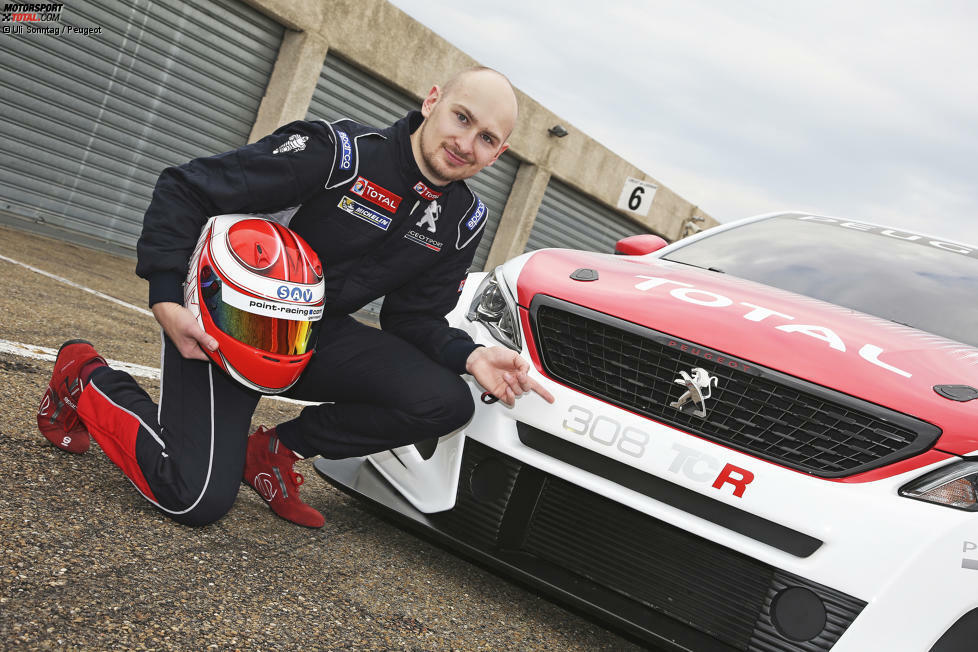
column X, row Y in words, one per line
column 456, row 353
column 166, row 286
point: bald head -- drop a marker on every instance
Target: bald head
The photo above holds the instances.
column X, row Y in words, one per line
column 492, row 83
column 467, row 123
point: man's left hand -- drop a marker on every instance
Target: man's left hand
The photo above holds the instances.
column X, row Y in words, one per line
column 504, row 373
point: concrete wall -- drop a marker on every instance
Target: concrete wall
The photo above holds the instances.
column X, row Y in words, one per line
column 392, row 46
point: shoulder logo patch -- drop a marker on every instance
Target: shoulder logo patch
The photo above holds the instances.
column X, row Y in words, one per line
column 295, row 143
column 346, row 150
column 477, row 215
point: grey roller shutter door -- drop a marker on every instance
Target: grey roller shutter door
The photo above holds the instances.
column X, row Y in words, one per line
column 345, row 91
column 492, row 185
column 91, row 121
column 572, row 220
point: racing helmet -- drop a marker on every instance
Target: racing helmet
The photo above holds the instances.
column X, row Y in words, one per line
column 257, row 288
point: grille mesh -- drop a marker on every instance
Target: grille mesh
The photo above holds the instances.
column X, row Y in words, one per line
column 762, row 412
column 665, row 568
column 663, row 571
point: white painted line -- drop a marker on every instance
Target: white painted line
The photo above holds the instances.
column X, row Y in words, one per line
column 44, row 353
column 80, row 287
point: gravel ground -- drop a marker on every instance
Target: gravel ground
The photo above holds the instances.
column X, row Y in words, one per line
column 88, row 564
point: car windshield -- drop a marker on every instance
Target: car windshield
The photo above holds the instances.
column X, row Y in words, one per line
column 905, row 277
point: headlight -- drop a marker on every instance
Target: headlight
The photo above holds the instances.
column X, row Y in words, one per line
column 955, row 485
column 494, row 307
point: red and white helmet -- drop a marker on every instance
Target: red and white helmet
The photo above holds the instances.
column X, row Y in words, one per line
column 257, row 288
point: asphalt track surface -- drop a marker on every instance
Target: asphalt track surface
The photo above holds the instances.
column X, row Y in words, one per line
column 88, row 564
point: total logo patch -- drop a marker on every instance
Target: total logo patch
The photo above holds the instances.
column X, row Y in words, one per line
column 376, row 194
column 368, row 215
column 423, row 240
column 426, row 192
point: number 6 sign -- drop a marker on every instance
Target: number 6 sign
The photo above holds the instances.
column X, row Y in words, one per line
column 636, row 196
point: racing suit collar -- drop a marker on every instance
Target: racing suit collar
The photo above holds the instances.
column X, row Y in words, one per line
column 403, row 129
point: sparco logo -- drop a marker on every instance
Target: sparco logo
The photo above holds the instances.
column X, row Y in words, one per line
column 346, row 151
column 480, row 212
column 30, row 12
column 376, row 194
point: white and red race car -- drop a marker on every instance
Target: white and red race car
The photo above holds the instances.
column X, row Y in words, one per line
column 765, row 437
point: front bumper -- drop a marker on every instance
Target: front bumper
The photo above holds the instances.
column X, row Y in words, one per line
column 660, row 545
column 640, row 574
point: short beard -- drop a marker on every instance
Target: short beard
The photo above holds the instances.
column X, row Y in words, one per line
column 430, row 159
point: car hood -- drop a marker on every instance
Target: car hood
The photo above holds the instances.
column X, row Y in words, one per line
column 864, row 356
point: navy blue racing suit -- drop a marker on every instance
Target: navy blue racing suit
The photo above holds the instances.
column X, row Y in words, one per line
column 357, row 196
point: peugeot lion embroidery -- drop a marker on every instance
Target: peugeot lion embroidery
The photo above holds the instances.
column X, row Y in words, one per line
column 430, row 216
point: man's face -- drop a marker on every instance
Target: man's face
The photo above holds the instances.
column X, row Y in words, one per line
column 465, row 127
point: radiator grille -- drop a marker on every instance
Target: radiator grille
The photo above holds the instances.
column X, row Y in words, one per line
column 759, row 411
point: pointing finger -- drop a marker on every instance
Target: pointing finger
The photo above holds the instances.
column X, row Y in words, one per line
column 542, row 391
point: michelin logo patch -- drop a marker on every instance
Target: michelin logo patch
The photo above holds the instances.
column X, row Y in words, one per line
column 480, row 212
column 295, row 143
column 357, row 209
column 346, row 153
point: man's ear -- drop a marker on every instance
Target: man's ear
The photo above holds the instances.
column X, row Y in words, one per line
column 502, row 149
column 429, row 102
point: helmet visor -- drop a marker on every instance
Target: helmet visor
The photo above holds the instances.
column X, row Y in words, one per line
column 273, row 335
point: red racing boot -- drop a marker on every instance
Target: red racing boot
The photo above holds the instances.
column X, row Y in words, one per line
column 57, row 418
column 268, row 470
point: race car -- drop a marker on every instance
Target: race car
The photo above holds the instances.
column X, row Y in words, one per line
column 764, row 438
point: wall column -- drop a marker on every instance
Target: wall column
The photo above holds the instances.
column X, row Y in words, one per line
column 520, row 212
column 293, row 81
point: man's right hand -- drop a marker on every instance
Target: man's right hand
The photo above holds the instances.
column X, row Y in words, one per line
column 181, row 326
